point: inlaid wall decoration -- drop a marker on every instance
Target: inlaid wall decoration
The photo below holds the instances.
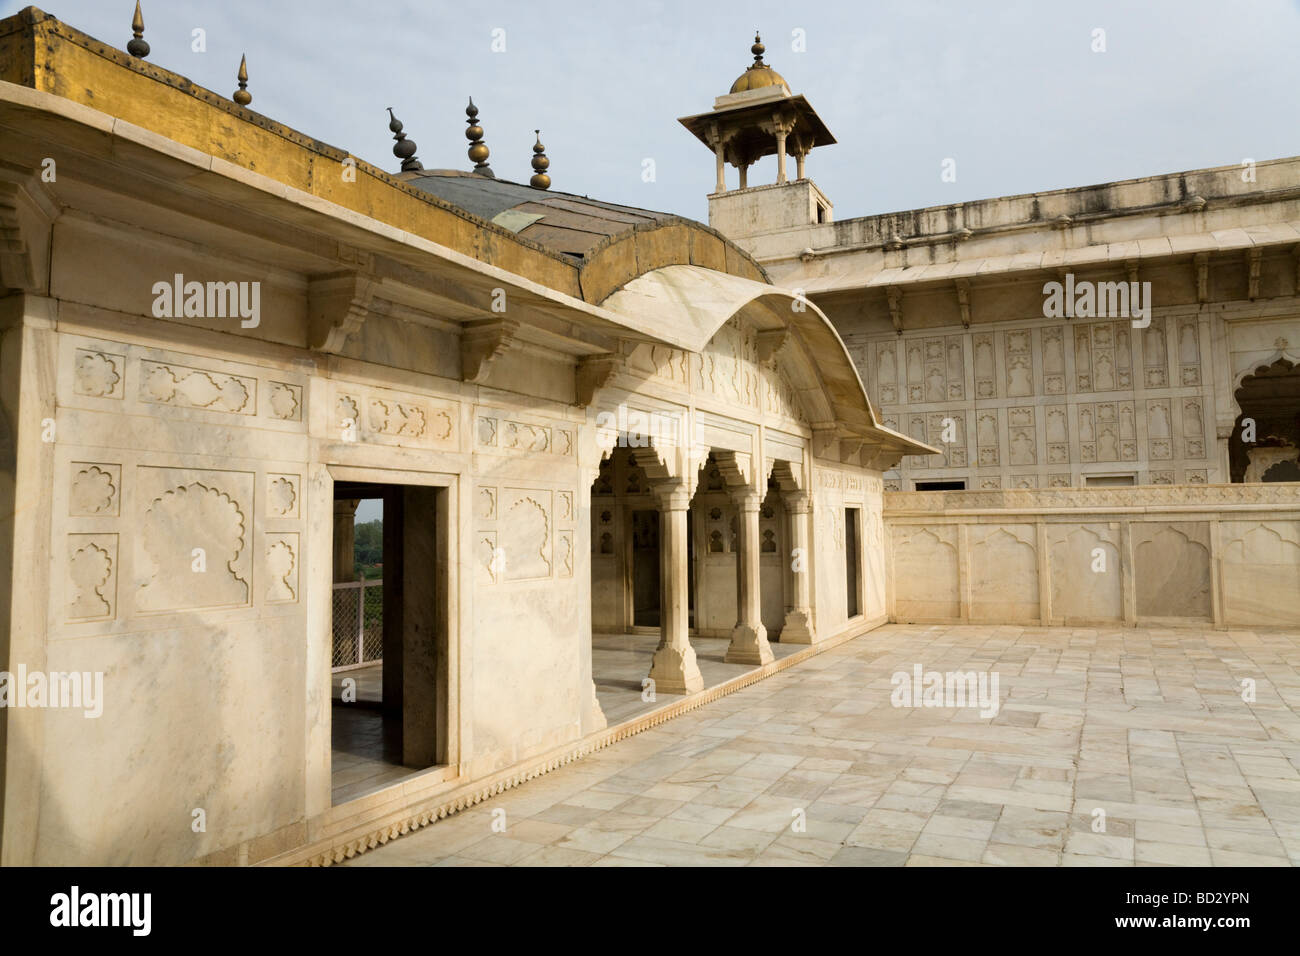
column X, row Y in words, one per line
column 1159, row 429
column 1020, row 363
column 935, row 369
column 986, row 436
column 92, row 577
column 1057, row 433
column 887, row 372
column 1053, row 361
column 1193, row 429
column 1189, row 352
column 1155, row 355
column 1103, row 357
column 1107, row 432
column 985, row 370
column 393, row 418
column 1022, row 444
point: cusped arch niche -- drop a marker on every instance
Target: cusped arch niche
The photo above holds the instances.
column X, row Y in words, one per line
column 1270, row 397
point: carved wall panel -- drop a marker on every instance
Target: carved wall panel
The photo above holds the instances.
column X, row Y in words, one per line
column 99, row 374
column 392, row 418
column 1172, row 569
column 95, row 491
column 1260, row 563
column 1087, row 582
column 526, row 528
column 935, row 369
column 1004, row 573
column 1107, row 432
column 926, row 585
column 1020, row 363
column 92, row 577
column 193, row 539
column 1155, row 354
column 282, row 561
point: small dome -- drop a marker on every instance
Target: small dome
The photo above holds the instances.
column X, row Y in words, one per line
column 759, row 74
column 757, row 77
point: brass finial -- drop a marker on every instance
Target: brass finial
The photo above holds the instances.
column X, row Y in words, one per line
column 540, row 164
column 242, row 96
column 137, row 46
column 478, row 150
column 757, row 49
column 403, row 149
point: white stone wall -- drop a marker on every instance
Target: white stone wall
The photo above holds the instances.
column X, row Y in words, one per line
column 1227, row 555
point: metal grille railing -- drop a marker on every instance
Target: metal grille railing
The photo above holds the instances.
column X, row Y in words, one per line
column 358, row 624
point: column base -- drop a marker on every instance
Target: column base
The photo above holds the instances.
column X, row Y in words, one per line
column 749, row 645
column 798, row 628
column 674, row 670
column 593, row 718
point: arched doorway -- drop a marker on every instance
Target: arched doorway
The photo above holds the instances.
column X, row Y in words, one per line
column 1269, row 399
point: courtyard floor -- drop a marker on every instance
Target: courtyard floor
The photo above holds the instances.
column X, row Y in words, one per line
column 1147, row 726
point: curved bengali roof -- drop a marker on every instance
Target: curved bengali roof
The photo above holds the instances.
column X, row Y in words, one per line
column 610, row 243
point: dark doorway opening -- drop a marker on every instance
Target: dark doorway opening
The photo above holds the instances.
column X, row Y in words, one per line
column 389, row 716
column 852, row 569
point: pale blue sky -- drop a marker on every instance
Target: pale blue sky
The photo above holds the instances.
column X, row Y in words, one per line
column 1012, row 91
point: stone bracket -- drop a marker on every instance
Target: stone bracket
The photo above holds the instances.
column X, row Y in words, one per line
column 337, row 307
column 895, row 296
column 963, row 301
column 26, row 215
column 594, row 372
column 483, row 343
column 1253, row 262
column 770, row 345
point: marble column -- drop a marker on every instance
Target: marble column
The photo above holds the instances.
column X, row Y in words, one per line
column 674, row 669
column 780, row 157
column 744, row 177
column 798, row 165
column 798, row 628
column 345, row 516
column 749, row 637
column 718, row 149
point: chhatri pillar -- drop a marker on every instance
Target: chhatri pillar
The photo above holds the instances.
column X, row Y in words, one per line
column 798, row 628
column 749, row 643
column 674, row 669
column 345, row 535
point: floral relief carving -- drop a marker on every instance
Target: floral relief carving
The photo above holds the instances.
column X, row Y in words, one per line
column 281, row 566
column 527, row 533
column 98, row 374
column 94, row 490
column 91, row 568
column 193, row 535
column 284, row 401
column 281, row 496
column 192, row 388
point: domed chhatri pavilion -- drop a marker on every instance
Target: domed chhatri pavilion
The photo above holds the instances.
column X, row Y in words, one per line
column 625, row 463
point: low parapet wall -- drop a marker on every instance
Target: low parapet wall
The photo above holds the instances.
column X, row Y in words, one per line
column 1227, row 555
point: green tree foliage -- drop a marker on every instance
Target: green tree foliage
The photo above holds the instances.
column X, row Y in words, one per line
column 368, row 544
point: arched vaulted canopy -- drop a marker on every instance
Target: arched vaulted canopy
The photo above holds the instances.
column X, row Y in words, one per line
column 686, row 305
